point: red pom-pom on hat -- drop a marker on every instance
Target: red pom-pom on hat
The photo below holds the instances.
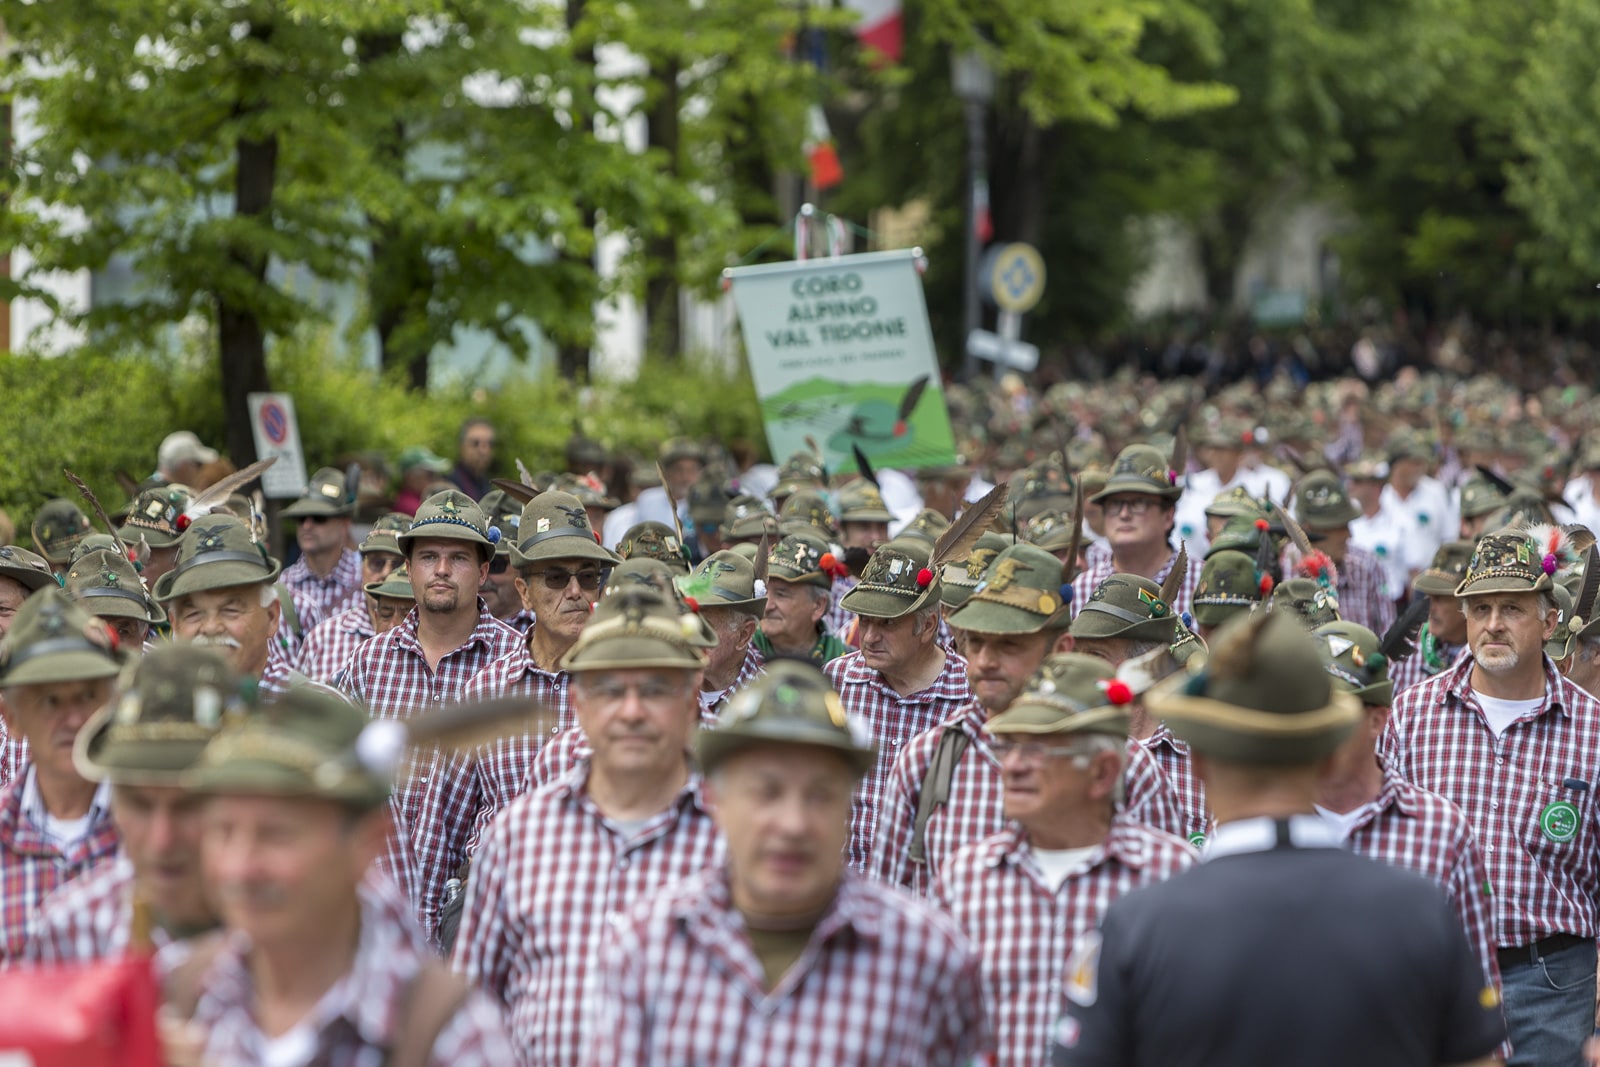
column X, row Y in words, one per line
column 1266, row 584
column 827, row 562
column 692, row 604
column 1262, row 525
column 924, row 577
column 183, row 523
column 1118, row 692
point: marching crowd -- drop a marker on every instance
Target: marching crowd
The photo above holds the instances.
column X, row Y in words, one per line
column 1168, row 727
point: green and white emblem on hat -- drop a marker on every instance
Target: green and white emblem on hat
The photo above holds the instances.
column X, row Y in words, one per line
column 725, row 580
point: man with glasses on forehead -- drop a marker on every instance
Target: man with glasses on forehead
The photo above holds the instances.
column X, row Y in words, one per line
column 625, row 820
column 1139, row 500
column 1025, row 894
column 327, row 577
column 560, row 567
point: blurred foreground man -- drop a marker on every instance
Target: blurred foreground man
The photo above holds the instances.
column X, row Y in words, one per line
column 315, row 967
column 781, row 956
column 56, row 669
column 1025, row 894
column 144, row 742
column 1281, row 947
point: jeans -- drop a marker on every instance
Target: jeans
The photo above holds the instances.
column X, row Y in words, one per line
column 1549, row 1005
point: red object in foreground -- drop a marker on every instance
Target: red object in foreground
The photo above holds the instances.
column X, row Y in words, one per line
column 86, row 1015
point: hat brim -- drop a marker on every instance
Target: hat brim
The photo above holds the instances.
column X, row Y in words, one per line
column 867, row 515
column 1337, row 520
column 120, row 607
column 153, row 760
column 632, row 652
column 1217, row 614
column 1092, row 623
column 875, row 604
column 1501, row 584
column 312, row 506
column 1258, row 738
column 245, row 777
column 986, row 617
column 74, row 666
column 1025, row 717
column 1114, row 488
column 130, row 535
column 447, row 532
column 28, row 578
column 1435, row 583
column 712, row 747
column 226, row 574
column 573, row 546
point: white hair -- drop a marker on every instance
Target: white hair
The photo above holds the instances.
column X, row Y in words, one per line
column 269, row 593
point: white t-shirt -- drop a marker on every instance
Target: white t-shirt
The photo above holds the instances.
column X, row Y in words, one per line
column 1060, row 864
column 1344, row 821
column 297, row 1045
column 1502, row 713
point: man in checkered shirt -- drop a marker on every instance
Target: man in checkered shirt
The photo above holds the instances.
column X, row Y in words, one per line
column 329, row 646
column 901, row 682
column 327, row 578
column 559, row 862
column 1014, row 620
column 1323, row 506
column 560, row 571
column 1157, row 739
column 427, row 660
column 57, row 667
column 143, row 742
column 1139, row 500
column 1443, row 638
column 21, row 574
column 315, row 966
column 1026, row 893
column 725, row 593
column 1517, row 748
column 1382, row 816
column 782, row 955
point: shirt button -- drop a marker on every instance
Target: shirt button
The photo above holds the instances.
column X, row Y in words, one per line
column 622, row 864
column 1488, row 848
column 1494, row 805
column 1499, row 761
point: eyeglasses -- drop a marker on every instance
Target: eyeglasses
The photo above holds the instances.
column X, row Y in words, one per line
column 588, row 581
column 1133, row 505
column 315, row 520
column 499, row 565
column 653, row 692
column 1033, row 751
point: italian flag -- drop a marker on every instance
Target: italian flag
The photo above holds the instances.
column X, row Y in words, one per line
column 821, row 153
column 880, row 28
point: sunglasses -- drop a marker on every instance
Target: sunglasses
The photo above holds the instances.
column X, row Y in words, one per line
column 588, row 581
column 500, row 564
column 315, row 520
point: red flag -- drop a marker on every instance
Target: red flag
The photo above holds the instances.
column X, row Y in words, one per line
column 69, row 1016
column 880, row 28
column 821, row 153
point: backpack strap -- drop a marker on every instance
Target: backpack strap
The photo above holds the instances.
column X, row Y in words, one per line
column 432, row 999
column 935, row 791
column 290, row 617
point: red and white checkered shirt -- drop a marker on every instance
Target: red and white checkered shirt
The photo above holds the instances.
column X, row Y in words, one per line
column 976, row 807
column 551, row 874
column 1098, row 567
column 754, row 665
column 1363, row 589
column 32, row 866
column 522, row 621
column 463, row 794
column 1173, row 757
column 13, row 756
column 1024, row 930
column 91, row 917
column 317, row 599
column 1529, row 794
column 329, row 647
column 885, row 979
column 355, row 1027
column 892, row 721
column 836, row 618
column 1415, row 830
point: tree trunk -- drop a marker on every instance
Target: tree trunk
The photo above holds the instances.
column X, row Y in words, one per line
column 572, row 356
column 241, row 342
column 665, row 324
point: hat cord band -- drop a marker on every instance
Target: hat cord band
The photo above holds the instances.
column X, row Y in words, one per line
column 220, row 556
column 106, row 590
column 565, row 531
column 247, row 744
column 411, row 534
column 1117, row 613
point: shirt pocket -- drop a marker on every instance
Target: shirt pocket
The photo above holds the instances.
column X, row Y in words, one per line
column 1558, row 824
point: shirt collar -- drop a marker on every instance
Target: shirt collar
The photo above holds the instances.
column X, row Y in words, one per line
column 1122, row 843
column 33, row 809
column 1260, row 834
column 406, row 636
column 1460, row 685
column 574, row 786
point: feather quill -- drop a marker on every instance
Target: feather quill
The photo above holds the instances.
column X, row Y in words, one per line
column 1396, row 643
column 1583, row 604
column 1174, row 580
column 1580, row 535
column 1268, row 565
column 1504, row 487
column 908, row 402
column 864, row 465
column 763, row 558
column 527, row 479
column 955, row 544
column 94, row 505
column 518, row 491
column 1069, row 570
column 126, row 482
column 463, row 727
column 816, row 450
column 1296, row 534
column 215, row 496
column 1180, row 449
column 1555, row 546
column 677, row 521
